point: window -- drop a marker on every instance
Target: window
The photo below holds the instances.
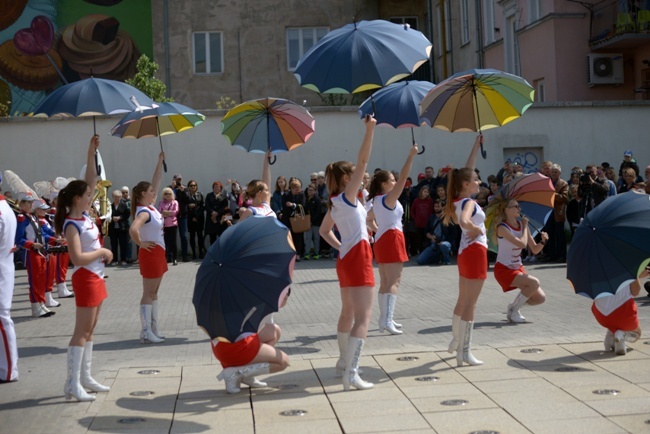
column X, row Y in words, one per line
column 208, row 52
column 447, row 24
column 411, row 21
column 464, row 21
column 540, row 91
column 534, row 10
column 300, row 40
column 490, row 29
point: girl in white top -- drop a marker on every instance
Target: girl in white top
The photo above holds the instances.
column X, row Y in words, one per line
column 89, row 258
column 390, row 249
column 512, row 236
column 354, row 265
column 472, row 260
column 147, row 232
column 260, row 194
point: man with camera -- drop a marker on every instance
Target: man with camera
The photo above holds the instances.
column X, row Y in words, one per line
column 592, row 188
column 556, row 245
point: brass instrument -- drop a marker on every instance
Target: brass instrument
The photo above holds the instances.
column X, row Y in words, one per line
column 101, row 196
column 14, row 205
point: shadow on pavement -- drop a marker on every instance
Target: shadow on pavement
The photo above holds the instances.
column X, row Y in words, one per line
column 477, row 325
column 28, row 403
column 135, row 343
column 147, row 425
column 24, row 352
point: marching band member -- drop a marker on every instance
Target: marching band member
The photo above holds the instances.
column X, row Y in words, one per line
column 40, row 208
column 62, row 258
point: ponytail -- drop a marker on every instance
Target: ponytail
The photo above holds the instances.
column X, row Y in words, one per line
column 65, row 200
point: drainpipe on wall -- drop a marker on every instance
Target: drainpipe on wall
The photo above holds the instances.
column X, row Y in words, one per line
column 432, row 66
column 167, row 67
column 241, row 92
column 443, row 33
column 479, row 33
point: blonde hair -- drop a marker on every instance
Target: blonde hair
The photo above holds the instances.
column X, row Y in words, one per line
column 169, row 190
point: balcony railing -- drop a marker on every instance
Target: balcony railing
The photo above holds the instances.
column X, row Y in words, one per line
column 620, row 24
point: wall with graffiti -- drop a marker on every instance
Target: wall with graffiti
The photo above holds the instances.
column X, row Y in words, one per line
column 529, row 158
column 46, row 43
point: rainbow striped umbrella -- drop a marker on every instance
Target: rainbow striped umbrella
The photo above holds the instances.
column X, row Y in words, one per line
column 268, row 123
column 476, row 100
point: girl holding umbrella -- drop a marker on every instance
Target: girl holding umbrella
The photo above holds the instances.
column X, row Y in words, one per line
column 354, row 265
column 89, row 258
column 147, row 232
column 512, row 236
column 472, row 252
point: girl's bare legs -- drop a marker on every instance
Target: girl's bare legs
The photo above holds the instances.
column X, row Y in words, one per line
column 150, row 290
column 86, row 320
column 530, row 294
column 356, row 310
column 277, row 360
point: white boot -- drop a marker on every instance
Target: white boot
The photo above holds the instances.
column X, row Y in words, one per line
column 390, row 300
column 381, row 300
column 351, row 374
column 234, row 375
column 146, row 336
column 609, row 341
column 455, row 325
column 154, row 320
column 619, row 343
column 46, row 310
column 63, row 290
column 249, row 373
column 513, row 314
column 465, row 342
column 39, row 312
column 50, row 301
column 87, row 380
column 342, row 339
column 73, row 385
column 253, row 382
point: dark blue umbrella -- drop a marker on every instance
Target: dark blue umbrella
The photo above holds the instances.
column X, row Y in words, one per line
column 362, row 56
column 611, row 246
column 243, row 276
column 397, row 105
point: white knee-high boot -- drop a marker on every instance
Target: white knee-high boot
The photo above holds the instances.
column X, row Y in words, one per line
column 146, row 335
column 234, row 375
column 513, row 314
column 50, row 301
column 62, row 288
column 609, row 341
column 464, row 345
column 342, row 339
column 73, row 383
column 455, row 326
column 154, row 320
column 87, row 380
column 351, row 374
column 391, row 300
column 381, row 300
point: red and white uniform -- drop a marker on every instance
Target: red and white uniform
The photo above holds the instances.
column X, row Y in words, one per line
column 62, row 258
column 8, row 349
column 617, row 312
column 153, row 264
column 389, row 239
column 50, row 268
column 472, row 254
column 262, row 211
column 508, row 265
column 87, row 280
column 28, row 232
column 354, row 265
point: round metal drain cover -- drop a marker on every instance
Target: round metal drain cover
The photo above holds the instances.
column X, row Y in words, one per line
column 286, row 386
column 293, row 413
column 129, row 420
column 606, row 392
column 142, row 393
column 455, row 402
column 647, row 422
column 531, row 351
column 428, row 378
column 567, row 369
column 149, row 372
column 485, row 431
column 647, row 342
column 407, row 358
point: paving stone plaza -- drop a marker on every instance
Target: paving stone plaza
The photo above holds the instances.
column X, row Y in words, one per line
column 549, row 375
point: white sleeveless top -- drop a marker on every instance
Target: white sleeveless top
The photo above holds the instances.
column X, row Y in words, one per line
column 509, row 254
column 609, row 303
column 152, row 230
column 386, row 218
column 262, row 211
column 478, row 218
column 350, row 221
column 89, row 237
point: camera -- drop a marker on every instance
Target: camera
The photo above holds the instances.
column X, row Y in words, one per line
column 585, row 179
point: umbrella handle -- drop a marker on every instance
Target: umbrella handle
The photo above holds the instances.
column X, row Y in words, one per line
column 98, row 168
column 413, row 140
column 483, row 153
column 272, row 161
column 164, row 166
column 422, row 151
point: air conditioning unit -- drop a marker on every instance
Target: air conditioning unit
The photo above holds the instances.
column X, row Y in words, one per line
column 605, row 68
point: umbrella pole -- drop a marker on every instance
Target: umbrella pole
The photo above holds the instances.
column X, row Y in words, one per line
column 478, row 118
column 160, row 140
column 413, row 139
column 98, row 168
column 268, row 137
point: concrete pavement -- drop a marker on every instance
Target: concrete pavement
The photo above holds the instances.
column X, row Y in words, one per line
column 550, row 375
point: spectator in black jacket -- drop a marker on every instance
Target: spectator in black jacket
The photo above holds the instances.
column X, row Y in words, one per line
column 291, row 200
column 312, row 236
column 196, row 219
column 118, row 229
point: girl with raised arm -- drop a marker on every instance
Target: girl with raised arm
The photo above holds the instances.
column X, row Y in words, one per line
column 260, row 194
column 390, row 248
column 472, row 253
column 147, row 232
column 354, row 264
column 89, row 258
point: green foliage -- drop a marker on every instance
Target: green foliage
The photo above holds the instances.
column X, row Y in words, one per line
column 226, row 103
column 145, row 81
column 341, row 99
column 4, row 109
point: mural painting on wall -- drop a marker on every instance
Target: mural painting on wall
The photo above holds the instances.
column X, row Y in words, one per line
column 47, row 43
column 529, row 158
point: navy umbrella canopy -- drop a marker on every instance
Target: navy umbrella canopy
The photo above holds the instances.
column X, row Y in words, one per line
column 611, row 246
column 243, row 277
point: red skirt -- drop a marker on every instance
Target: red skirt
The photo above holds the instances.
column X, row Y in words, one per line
column 355, row 268
column 624, row 318
column 473, row 262
column 390, row 248
column 153, row 264
column 239, row 353
column 505, row 275
column 89, row 288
